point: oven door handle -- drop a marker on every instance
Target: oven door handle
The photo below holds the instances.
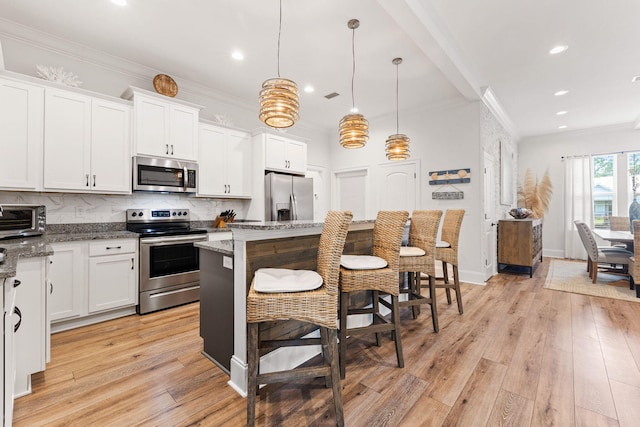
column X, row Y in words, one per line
column 171, row 240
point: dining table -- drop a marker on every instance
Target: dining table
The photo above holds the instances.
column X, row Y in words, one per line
column 614, row 236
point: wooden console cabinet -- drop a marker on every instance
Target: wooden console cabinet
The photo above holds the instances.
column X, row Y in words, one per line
column 519, row 244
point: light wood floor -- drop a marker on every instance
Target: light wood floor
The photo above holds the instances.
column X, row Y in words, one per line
column 520, row 355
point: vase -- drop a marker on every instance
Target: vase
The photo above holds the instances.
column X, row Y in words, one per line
column 634, row 213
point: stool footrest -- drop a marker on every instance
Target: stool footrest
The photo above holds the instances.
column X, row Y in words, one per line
column 289, row 343
column 278, row 377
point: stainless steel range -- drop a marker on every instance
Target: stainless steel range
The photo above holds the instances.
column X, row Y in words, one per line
column 169, row 263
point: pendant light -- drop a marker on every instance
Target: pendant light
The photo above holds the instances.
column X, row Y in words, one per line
column 397, row 146
column 354, row 128
column 279, row 103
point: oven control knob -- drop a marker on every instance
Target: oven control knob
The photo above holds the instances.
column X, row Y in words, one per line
column 179, row 213
column 134, row 214
column 139, row 213
column 174, row 214
column 184, row 213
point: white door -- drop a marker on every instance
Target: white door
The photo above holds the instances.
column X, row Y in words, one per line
column 490, row 221
column 351, row 192
column 396, row 186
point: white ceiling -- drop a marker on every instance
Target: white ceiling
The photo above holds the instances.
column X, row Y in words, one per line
column 452, row 50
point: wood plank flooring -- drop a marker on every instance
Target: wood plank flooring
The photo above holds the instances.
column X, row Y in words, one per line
column 520, row 355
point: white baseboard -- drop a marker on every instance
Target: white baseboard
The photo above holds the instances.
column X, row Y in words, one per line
column 553, row 253
column 77, row 322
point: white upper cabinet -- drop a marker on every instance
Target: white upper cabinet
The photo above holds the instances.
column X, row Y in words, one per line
column 87, row 144
column 21, row 121
column 225, row 160
column 164, row 127
column 285, row 155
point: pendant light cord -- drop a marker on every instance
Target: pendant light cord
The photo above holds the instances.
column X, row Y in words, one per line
column 279, row 32
column 353, row 72
column 397, row 96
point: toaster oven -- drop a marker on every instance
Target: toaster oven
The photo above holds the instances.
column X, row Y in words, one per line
column 22, row 220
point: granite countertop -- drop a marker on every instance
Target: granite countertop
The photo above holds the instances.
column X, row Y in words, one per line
column 224, row 247
column 285, row 225
column 22, row 248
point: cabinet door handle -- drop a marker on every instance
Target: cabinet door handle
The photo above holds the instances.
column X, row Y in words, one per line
column 166, row 151
column 114, row 247
column 172, row 149
column 229, row 189
column 87, row 177
column 16, row 283
column 50, row 288
column 132, row 264
column 17, row 311
column 94, row 180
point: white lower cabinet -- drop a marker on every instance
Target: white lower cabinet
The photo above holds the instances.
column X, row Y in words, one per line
column 91, row 279
column 67, row 278
column 112, row 281
column 8, row 351
column 31, row 325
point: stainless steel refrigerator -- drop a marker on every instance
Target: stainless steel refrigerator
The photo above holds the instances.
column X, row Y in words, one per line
column 288, row 197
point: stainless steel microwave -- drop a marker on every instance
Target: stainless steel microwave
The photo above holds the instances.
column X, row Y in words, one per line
column 164, row 175
column 22, row 220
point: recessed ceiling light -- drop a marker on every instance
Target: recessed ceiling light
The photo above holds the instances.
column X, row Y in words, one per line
column 561, row 113
column 635, row 79
column 562, row 127
column 237, row 55
column 119, row 2
column 561, row 92
column 308, row 88
column 558, row 49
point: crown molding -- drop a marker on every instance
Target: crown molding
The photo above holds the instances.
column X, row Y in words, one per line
column 490, row 100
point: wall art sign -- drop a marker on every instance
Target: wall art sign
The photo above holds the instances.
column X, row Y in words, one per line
column 452, row 176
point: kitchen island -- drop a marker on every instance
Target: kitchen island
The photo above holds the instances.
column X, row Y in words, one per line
column 290, row 244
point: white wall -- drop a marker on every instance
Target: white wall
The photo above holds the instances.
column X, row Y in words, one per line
column 545, row 152
column 442, row 138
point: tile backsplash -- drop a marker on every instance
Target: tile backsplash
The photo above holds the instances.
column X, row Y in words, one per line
column 66, row 208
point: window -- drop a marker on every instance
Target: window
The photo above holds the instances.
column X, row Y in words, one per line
column 616, row 181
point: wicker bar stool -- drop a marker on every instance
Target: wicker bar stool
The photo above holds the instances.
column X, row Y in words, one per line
column 447, row 252
column 308, row 296
column 377, row 273
column 419, row 258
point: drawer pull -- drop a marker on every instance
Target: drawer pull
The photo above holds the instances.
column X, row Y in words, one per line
column 113, row 247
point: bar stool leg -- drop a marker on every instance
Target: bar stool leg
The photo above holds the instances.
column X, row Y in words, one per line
column 376, row 309
column 434, row 306
column 324, row 340
column 396, row 323
column 253, row 360
column 344, row 308
column 332, row 353
column 456, row 281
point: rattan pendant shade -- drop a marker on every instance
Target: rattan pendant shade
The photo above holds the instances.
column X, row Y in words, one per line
column 353, row 128
column 397, row 146
column 279, row 103
column 354, row 131
column 279, row 99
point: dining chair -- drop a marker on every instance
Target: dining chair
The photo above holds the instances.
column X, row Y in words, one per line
column 377, row 274
column 597, row 255
column 304, row 295
column 447, row 253
column 418, row 258
column 619, row 223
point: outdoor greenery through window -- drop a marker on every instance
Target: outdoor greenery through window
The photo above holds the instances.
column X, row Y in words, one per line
column 616, row 184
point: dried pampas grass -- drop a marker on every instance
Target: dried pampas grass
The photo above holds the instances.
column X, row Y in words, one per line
column 535, row 195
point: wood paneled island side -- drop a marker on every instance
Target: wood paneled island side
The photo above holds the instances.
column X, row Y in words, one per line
column 292, row 244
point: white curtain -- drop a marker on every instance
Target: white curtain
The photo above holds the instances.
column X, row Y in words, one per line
column 578, row 203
